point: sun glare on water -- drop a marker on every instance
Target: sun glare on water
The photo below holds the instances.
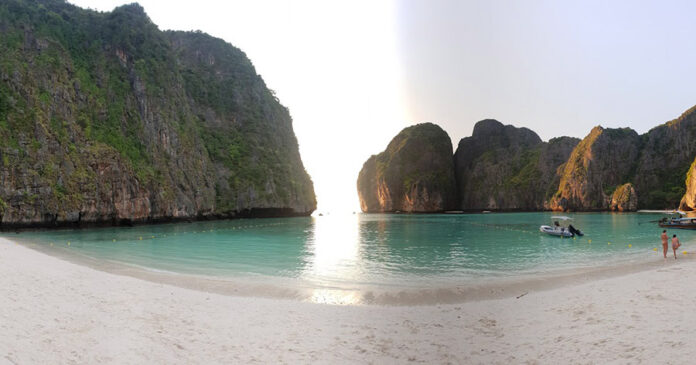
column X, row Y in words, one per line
column 334, row 251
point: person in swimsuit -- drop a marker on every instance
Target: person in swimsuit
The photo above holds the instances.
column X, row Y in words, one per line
column 664, row 242
column 675, row 245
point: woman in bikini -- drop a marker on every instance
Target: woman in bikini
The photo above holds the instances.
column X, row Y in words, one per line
column 664, row 242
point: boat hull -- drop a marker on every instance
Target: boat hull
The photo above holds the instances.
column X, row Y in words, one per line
column 678, row 226
column 555, row 232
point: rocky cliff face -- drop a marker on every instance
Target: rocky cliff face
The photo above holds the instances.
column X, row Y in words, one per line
column 507, row 168
column 624, row 199
column 501, row 167
column 414, row 173
column 688, row 201
column 667, row 152
column 600, row 163
column 104, row 118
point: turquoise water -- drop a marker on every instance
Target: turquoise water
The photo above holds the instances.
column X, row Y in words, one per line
column 370, row 250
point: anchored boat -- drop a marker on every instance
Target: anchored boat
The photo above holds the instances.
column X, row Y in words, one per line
column 682, row 222
column 561, row 227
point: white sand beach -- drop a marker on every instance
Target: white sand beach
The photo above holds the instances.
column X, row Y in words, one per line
column 55, row 311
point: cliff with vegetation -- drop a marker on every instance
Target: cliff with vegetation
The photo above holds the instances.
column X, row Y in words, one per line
column 501, row 167
column 105, row 118
column 414, row 173
column 688, row 201
column 597, row 166
column 667, row 153
column 624, row 199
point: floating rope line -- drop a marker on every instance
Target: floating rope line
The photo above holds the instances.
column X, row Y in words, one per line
column 500, row 227
column 211, row 230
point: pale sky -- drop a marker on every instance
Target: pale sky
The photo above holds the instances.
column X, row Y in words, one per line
column 354, row 73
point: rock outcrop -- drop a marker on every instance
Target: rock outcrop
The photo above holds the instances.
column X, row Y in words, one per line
column 666, row 155
column 602, row 161
column 624, row 199
column 688, row 201
column 106, row 119
column 414, row 174
column 501, row 167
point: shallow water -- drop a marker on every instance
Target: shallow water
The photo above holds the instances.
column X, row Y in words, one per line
column 375, row 250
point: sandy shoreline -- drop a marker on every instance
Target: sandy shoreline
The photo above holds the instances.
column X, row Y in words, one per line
column 55, row 311
column 297, row 289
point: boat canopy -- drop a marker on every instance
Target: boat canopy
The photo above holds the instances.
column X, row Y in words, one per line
column 562, row 217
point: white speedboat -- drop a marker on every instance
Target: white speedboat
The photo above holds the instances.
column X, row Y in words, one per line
column 561, row 227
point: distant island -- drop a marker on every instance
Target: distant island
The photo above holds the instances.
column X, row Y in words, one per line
column 106, row 119
column 504, row 168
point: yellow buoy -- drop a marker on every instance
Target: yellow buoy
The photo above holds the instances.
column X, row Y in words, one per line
column 608, row 243
column 684, row 252
column 140, row 238
column 629, row 245
column 655, row 249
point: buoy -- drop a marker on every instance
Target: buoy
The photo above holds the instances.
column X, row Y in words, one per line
column 113, row 240
column 608, row 243
column 140, row 238
column 655, row 249
column 629, row 245
column 684, row 252
column 68, row 243
column 153, row 236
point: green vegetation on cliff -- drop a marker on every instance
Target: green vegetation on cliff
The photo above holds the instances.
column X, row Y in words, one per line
column 507, row 168
column 603, row 160
column 414, row 173
column 104, row 117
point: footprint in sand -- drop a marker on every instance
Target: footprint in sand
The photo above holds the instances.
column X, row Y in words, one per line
column 655, row 297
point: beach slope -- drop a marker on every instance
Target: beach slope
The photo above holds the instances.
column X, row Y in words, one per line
column 54, row 311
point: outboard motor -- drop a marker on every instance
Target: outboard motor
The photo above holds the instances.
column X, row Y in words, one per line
column 574, row 231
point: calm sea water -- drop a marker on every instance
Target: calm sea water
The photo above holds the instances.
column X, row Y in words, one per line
column 371, row 250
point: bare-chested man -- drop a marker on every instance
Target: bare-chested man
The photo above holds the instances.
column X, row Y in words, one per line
column 675, row 245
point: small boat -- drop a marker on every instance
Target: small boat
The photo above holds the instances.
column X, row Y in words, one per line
column 683, row 222
column 561, row 228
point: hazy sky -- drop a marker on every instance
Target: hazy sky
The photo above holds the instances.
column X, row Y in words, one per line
column 354, row 73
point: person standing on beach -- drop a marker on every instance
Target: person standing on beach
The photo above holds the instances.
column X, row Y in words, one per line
column 664, row 242
column 675, row 245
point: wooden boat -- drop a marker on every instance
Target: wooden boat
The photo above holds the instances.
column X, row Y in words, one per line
column 682, row 222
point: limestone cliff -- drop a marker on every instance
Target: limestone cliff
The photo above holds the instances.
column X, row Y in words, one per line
column 667, row 152
column 105, row 118
column 688, row 201
column 414, row 173
column 624, row 199
column 603, row 160
column 501, row 167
